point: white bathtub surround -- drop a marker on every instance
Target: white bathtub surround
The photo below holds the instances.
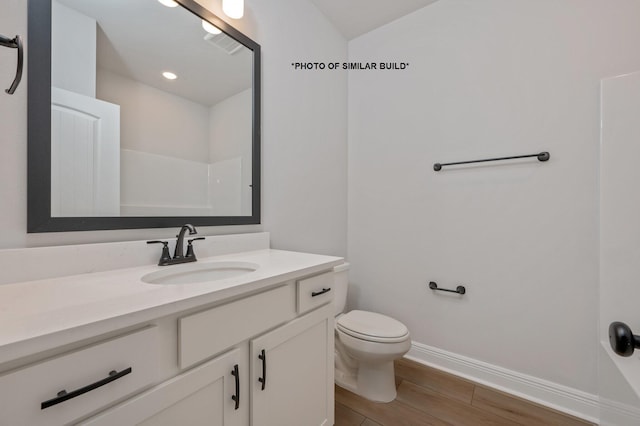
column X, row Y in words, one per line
column 619, row 377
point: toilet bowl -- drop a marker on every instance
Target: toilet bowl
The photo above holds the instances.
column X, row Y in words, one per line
column 367, row 343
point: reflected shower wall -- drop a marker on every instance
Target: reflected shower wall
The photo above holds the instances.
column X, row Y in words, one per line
column 158, row 185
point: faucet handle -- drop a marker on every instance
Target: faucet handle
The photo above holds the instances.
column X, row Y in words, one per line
column 190, row 252
column 165, row 257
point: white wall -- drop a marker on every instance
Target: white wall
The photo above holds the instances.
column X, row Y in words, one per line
column 13, row 133
column 156, row 121
column 73, row 47
column 230, row 127
column 486, row 78
column 303, row 135
column 304, row 155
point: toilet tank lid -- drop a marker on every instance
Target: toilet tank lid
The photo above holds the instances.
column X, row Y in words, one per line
column 372, row 324
column 344, row 267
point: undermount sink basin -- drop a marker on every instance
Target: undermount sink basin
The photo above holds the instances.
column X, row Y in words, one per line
column 199, row 272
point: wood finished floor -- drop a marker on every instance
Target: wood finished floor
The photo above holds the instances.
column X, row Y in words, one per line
column 427, row 396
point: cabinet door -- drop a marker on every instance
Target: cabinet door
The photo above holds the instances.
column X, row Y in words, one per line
column 292, row 373
column 201, row 396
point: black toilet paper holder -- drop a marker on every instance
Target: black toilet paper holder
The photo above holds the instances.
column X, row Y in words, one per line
column 460, row 289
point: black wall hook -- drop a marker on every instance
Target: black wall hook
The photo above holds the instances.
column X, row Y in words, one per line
column 14, row 43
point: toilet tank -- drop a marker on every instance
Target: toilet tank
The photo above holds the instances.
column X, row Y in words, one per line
column 341, row 285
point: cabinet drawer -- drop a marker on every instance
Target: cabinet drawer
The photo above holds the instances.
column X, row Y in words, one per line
column 315, row 291
column 208, row 333
column 30, row 395
column 200, row 396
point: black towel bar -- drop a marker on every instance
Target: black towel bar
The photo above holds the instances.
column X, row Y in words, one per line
column 460, row 289
column 543, row 156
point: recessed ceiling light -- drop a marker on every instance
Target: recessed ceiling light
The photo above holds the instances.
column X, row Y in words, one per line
column 168, row 3
column 169, row 75
column 210, row 28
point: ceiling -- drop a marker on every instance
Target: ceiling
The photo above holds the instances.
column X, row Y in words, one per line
column 150, row 38
column 356, row 17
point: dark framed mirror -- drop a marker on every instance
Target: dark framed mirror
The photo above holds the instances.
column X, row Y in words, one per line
column 140, row 115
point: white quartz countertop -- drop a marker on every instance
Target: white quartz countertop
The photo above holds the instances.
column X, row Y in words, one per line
column 39, row 315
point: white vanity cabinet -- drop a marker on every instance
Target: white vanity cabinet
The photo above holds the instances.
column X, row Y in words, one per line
column 265, row 359
column 59, row 390
column 210, row 394
column 292, row 373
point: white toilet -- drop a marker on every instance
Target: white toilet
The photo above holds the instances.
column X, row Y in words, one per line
column 366, row 346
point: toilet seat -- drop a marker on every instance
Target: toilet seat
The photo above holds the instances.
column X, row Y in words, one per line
column 372, row 327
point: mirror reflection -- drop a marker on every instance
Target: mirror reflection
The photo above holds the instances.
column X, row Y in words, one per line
column 151, row 111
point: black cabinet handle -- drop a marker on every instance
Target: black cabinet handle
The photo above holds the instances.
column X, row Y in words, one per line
column 63, row 395
column 236, row 373
column 263, row 379
column 318, row 293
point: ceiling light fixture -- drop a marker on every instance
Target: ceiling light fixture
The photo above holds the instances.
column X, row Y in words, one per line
column 168, row 3
column 169, row 75
column 233, row 8
column 210, row 28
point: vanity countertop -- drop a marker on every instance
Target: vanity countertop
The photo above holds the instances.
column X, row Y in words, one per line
column 40, row 315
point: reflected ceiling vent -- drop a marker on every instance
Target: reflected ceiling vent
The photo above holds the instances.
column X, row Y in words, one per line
column 224, row 42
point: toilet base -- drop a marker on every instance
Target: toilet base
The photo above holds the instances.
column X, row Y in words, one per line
column 346, row 381
column 376, row 382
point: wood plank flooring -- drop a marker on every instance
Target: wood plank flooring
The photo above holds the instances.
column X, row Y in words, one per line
column 427, row 396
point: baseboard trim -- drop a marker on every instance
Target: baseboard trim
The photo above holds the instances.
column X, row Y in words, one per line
column 558, row 397
column 617, row 414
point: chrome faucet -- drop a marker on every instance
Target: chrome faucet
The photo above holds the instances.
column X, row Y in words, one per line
column 178, row 254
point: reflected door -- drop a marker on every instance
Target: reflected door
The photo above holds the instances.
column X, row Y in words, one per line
column 85, row 156
column 619, row 377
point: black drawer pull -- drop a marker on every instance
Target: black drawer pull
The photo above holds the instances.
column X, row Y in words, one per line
column 263, row 379
column 235, row 373
column 63, row 395
column 318, row 293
